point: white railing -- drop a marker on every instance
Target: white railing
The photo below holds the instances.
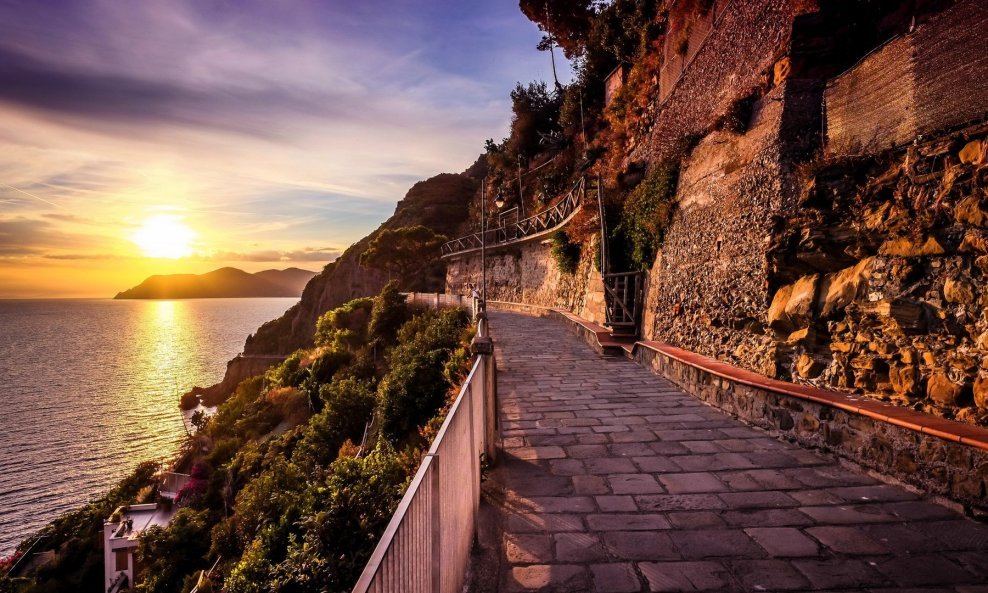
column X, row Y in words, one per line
column 438, row 300
column 426, row 546
column 538, row 225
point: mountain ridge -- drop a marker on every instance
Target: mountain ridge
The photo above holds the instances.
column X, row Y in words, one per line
column 226, row 282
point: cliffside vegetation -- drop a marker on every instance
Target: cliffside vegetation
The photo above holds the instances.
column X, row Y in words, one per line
column 439, row 204
column 560, row 133
column 296, row 475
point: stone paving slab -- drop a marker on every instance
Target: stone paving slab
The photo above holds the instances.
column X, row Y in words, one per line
column 613, row 480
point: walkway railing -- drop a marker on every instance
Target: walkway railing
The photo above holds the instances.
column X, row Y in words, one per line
column 438, row 300
column 623, row 296
column 426, row 546
column 548, row 220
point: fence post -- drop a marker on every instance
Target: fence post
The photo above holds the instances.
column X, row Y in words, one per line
column 437, row 531
column 483, row 346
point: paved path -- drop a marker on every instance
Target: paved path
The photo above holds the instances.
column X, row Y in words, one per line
column 613, row 480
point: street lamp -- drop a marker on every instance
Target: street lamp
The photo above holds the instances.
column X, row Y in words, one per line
column 499, row 200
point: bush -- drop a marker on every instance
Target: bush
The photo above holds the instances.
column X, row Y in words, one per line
column 347, row 406
column 646, row 215
column 416, row 386
column 388, row 314
column 289, row 373
column 343, row 523
column 566, row 254
column 170, row 553
column 345, row 327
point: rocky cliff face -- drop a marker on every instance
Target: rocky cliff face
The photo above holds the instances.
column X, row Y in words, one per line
column 882, row 272
column 439, row 203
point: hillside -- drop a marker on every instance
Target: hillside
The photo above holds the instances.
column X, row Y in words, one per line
column 221, row 283
column 439, row 203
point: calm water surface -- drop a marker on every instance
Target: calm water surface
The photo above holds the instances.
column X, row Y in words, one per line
column 90, row 388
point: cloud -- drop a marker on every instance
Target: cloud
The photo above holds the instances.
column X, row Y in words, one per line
column 268, row 125
column 23, row 237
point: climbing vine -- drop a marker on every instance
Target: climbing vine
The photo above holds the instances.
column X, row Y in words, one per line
column 565, row 252
column 646, row 215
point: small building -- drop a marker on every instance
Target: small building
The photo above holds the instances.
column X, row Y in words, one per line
column 614, row 82
column 120, row 538
column 122, row 530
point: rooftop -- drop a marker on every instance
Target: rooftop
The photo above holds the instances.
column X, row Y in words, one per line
column 132, row 520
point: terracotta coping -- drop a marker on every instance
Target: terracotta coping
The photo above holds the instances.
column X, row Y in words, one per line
column 950, row 430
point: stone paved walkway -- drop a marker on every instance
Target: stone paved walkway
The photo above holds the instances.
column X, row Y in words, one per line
column 613, row 480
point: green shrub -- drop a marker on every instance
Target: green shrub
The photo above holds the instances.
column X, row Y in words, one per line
column 347, row 406
column 416, row 386
column 345, row 517
column 321, row 371
column 388, row 314
column 566, row 254
column 289, row 373
column 646, row 216
column 344, row 327
column 170, row 553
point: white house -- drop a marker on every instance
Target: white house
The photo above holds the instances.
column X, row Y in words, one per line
column 122, row 530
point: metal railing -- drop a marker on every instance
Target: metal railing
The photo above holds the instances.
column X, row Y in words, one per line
column 622, row 297
column 437, row 300
column 549, row 219
column 426, row 546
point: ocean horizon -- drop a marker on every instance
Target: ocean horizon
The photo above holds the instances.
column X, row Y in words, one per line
column 92, row 387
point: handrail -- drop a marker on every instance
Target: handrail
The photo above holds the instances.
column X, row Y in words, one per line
column 426, row 545
column 547, row 220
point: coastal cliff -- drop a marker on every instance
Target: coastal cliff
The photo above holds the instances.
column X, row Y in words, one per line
column 439, row 203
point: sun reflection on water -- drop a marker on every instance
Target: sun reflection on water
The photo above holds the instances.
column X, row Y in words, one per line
column 92, row 388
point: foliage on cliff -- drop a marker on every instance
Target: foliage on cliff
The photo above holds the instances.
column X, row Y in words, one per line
column 559, row 134
column 280, row 494
column 645, row 216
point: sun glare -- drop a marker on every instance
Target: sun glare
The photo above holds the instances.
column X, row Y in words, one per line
column 164, row 236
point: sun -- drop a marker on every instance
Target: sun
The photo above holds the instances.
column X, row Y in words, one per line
column 164, row 236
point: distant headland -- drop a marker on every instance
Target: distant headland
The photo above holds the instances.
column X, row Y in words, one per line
column 221, row 283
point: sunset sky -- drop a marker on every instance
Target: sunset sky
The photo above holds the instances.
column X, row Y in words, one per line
column 249, row 133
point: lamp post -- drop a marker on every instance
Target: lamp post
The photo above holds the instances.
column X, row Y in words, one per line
column 483, row 243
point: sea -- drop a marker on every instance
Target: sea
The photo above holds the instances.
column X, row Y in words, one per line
column 89, row 388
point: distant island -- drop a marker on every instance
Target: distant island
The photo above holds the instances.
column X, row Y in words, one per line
column 222, row 283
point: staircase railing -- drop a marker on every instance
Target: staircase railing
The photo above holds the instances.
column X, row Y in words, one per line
column 546, row 220
column 622, row 296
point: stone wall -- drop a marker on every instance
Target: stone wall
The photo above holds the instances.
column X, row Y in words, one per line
column 953, row 470
column 920, row 83
column 730, row 61
column 528, row 273
column 709, row 286
column 882, row 272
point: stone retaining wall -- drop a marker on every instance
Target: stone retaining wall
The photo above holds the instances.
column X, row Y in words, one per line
column 940, row 467
column 528, row 273
column 933, row 78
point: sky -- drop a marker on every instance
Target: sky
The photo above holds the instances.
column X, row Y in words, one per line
column 150, row 137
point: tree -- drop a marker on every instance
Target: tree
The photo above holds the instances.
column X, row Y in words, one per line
column 404, row 251
column 387, row 315
column 567, row 21
column 171, row 553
